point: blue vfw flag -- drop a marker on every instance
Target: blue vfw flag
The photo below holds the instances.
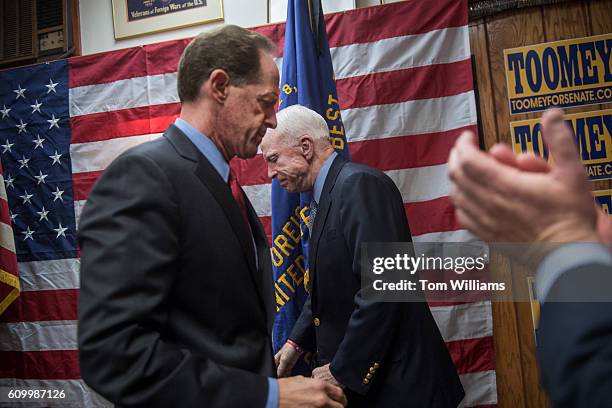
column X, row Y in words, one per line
column 307, row 79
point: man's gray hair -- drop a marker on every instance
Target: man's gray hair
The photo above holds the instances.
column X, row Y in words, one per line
column 297, row 120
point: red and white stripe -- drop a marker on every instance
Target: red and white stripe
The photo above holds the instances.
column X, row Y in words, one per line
column 9, row 273
column 404, row 80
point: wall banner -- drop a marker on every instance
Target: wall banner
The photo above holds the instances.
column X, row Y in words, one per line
column 592, row 131
column 564, row 73
column 604, row 199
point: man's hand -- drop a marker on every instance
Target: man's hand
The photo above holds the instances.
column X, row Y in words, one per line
column 323, row 373
column 604, row 227
column 523, row 199
column 302, row 392
column 285, row 359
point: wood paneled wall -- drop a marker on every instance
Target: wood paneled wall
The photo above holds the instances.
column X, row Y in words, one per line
column 517, row 372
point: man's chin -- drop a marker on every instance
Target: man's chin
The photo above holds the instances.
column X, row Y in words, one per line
column 289, row 188
column 248, row 154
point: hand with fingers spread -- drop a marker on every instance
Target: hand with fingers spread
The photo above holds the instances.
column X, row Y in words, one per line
column 502, row 197
column 285, row 359
column 302, row 392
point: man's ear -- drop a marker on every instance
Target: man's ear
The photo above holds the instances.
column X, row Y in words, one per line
column 307, row 146
column 217, row 85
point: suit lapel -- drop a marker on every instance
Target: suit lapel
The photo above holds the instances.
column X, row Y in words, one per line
column 222, row 194
column 264, row 278
column 322, row 211
column 219, row 189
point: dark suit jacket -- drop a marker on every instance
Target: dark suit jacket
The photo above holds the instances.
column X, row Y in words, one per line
column 173, row 310
column 575, row 339
column 386, row 354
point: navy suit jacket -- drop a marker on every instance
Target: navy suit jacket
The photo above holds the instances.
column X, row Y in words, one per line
column 174, row 310
column 575, row 338
column 386, row 354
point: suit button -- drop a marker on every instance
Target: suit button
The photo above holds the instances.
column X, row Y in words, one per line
column 316, row 322
column 376, row 365
column 366, row 381
column 368, row 376
column 372, row 370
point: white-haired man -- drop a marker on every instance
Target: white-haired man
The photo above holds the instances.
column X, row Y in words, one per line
column 383, row 354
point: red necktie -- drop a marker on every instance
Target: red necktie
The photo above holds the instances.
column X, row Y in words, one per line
column 239, row 197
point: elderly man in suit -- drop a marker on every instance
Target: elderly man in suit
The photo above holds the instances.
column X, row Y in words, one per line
column 383, row 354
column 176, row 301
column 507, row 198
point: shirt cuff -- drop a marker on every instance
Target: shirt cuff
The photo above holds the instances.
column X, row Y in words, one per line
column 566, row 257
column 272, row 401
column 294, row 345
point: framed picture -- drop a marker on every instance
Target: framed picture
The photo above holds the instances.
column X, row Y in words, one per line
column 137, row 17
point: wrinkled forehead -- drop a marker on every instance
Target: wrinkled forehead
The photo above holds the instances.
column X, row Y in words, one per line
column 269, row 141
column 273, row 141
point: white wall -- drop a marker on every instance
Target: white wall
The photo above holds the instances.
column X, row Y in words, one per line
column 97, row 34
column 97, row 24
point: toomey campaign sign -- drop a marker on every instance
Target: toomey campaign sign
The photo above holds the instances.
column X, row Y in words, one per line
column 561, row 73
column 604, row 199
column 592, row 131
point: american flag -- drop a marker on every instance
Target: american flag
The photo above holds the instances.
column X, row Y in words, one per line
column 404, row 82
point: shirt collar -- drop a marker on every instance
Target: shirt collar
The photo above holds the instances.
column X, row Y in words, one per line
column 320, row 180
column 206, row 147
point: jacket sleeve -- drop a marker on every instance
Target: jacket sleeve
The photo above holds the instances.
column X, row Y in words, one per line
column 371, row 211
column 575, row 338
column 303, row 333
column 130, row 248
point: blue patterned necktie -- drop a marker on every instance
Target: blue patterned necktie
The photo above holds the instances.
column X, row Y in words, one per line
column 312, row 215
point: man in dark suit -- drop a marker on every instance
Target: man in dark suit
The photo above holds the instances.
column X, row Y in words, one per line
column 176, row 301
column 575, row 331
column 383, row 354
column 551, row 207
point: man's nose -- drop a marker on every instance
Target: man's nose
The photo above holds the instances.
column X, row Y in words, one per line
column 271, row 121
column 271, row 172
